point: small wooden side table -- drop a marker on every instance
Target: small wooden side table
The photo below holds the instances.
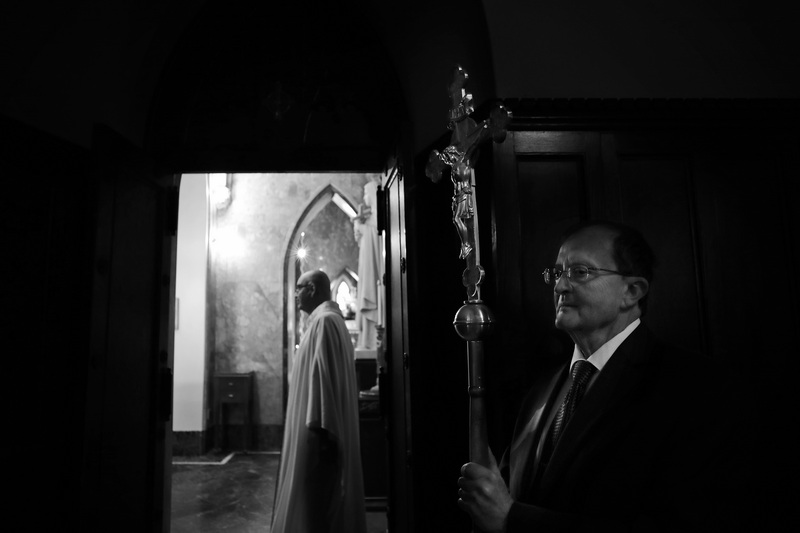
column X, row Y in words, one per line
column 232, row 390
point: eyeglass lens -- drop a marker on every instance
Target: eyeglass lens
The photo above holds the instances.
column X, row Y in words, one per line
column 574, row 273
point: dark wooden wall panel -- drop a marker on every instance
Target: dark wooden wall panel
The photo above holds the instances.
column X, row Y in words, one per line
column 544, row 182
column 505, row 232
column 654, row 196
column 551, row 198
column 126, row 421
column 47, row 224
column 743, row 233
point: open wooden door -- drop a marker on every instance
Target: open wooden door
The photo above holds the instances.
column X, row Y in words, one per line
column 126, row 485
column 400, row 516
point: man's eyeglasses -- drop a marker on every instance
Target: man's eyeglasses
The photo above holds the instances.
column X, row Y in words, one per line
column 575, row 273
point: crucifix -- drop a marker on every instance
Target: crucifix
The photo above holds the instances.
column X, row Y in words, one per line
column 474, row 321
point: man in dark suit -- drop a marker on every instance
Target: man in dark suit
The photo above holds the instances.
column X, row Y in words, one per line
column 632, row 434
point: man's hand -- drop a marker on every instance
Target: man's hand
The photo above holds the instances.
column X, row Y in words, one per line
column 484, row 496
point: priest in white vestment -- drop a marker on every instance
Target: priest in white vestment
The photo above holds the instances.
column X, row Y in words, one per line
column 320, row 484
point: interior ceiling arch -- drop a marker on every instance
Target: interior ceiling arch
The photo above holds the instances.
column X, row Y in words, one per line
column 297, row 88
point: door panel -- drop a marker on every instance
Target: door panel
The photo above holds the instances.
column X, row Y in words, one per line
column 744, row 232
column 543, row 183
column 552, row 196
column 654, row 197
column 126, row 421
column 399, row 427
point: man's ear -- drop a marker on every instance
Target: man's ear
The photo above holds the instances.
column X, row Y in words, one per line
column 636, row 289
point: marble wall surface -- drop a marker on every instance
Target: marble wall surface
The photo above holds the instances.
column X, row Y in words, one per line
column 249, row 242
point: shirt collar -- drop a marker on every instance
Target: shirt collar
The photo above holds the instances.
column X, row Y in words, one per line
column 328, row 306
column 604, row 353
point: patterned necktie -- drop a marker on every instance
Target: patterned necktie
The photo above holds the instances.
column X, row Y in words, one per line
column 582, row 371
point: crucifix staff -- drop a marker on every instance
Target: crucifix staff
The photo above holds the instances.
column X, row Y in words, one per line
column 474, row 321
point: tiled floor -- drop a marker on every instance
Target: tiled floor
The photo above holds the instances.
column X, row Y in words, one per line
column 232, row 493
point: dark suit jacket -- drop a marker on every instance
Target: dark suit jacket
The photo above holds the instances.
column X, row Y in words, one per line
column 653, row 446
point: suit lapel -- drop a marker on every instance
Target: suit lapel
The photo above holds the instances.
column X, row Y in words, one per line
column 528, row 431
column 621, row 380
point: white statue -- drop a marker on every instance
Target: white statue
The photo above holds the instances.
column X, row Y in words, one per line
column 369, row 302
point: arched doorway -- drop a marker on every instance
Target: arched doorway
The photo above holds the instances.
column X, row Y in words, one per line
column 233, row 97
column 325, row 215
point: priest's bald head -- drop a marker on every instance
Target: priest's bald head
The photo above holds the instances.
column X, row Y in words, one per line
column 313, row 288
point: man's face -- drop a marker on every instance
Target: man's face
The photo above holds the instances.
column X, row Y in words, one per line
column 303, row 293
column 593, row 305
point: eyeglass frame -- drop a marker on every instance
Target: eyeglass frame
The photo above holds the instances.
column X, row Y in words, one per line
column 547, row 271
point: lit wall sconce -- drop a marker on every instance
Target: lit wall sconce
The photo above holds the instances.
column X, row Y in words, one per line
column 301, row 252
column 219, row 186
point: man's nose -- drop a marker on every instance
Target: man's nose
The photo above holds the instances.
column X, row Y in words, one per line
column 562, row 284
